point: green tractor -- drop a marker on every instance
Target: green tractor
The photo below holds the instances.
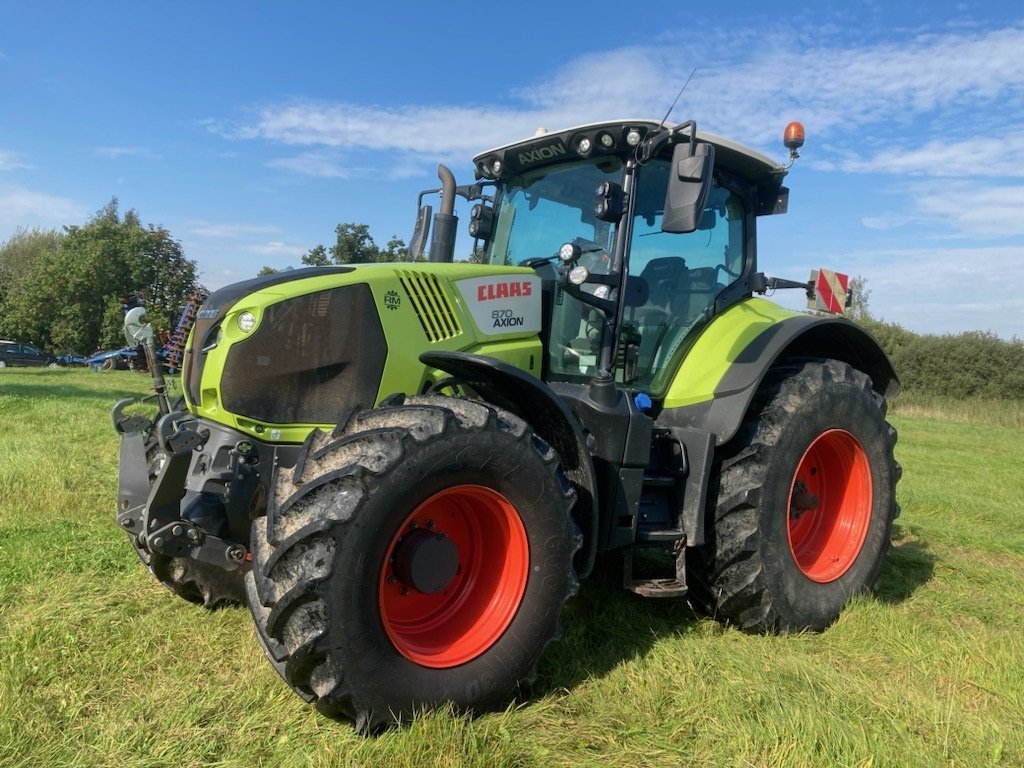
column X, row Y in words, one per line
column 405, row 469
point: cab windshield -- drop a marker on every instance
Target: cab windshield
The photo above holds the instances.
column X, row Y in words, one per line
column 536, row 214
column 539, row 211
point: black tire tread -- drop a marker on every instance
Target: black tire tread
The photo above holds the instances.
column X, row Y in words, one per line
column 728, row 580
column 293, row 546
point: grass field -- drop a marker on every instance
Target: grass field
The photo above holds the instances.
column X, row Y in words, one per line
column 100, row 665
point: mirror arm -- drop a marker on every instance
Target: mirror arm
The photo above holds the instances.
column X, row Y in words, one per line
column 761, row 283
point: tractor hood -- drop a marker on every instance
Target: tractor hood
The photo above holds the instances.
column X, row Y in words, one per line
column 223, row 299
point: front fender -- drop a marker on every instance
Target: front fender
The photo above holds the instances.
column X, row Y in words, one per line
column 532, row 400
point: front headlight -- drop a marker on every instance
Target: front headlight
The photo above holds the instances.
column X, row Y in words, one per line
column 246, row 322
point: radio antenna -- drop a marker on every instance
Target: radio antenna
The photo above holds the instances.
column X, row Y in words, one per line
column 678, row 96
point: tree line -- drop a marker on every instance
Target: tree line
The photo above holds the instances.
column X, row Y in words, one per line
column 66, row 290
column 975, row 364
column 353, row 245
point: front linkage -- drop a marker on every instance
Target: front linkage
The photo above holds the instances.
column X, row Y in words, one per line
column 187, row 493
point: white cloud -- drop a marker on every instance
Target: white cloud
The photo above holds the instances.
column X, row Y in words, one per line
column 10, row 161
column 208, row 242
column 937, row 290
column 114, row 153
column 743, row 90
column 994, row 156
column 277, row 250
column 435, row 130
column 973, row 209
column 24, row 207
column 228, row 230
column 944, row 290
column 888, row 221
column 960, row 208
column 331, row 165
column 315, row 164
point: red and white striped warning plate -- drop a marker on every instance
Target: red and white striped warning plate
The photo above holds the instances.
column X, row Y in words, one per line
column 831, row 290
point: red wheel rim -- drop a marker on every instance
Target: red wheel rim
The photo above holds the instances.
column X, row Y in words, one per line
column 830, row 506
column 467, row 615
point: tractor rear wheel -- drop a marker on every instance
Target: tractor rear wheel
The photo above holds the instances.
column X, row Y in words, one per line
column 805, row 502
column 419, row 555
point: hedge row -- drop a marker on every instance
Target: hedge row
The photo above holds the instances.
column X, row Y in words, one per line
column 969, row 365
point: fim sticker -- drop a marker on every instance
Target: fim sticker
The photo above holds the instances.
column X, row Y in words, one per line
column 392, row 300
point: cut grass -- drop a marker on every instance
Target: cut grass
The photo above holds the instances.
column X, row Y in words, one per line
column 997, row 413
column 100, row 665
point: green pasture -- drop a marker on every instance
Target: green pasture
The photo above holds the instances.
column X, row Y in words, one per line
column 102, row 666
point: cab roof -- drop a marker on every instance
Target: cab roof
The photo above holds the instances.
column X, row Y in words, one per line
column 547, row 147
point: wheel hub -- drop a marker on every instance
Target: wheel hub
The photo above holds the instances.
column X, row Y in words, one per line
column 801, row 501
column 454, row 576
column 830, row 506
column 426, row 561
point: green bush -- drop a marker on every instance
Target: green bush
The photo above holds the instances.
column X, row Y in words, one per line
column 968, row 365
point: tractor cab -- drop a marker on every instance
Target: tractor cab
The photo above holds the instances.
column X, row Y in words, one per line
column 642, row 234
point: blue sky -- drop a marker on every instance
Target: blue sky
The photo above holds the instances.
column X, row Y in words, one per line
column 250, row 130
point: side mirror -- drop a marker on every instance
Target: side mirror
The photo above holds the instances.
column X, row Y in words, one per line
column 418, row 241
column 689, row 182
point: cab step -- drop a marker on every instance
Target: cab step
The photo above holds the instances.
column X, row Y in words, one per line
column 655, row 587
column 658, row 535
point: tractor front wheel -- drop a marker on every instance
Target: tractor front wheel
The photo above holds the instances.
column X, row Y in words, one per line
column 805, row 502
column 419, row 555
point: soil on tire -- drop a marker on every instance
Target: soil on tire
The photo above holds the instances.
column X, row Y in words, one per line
column 343, row 605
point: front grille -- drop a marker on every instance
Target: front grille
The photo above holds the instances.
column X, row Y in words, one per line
column 432, row 306
column 311, row 358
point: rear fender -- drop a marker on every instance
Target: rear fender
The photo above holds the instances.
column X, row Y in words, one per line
column 793, row 336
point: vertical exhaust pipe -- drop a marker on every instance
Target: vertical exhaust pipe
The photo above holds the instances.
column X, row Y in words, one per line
column 442, row 245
